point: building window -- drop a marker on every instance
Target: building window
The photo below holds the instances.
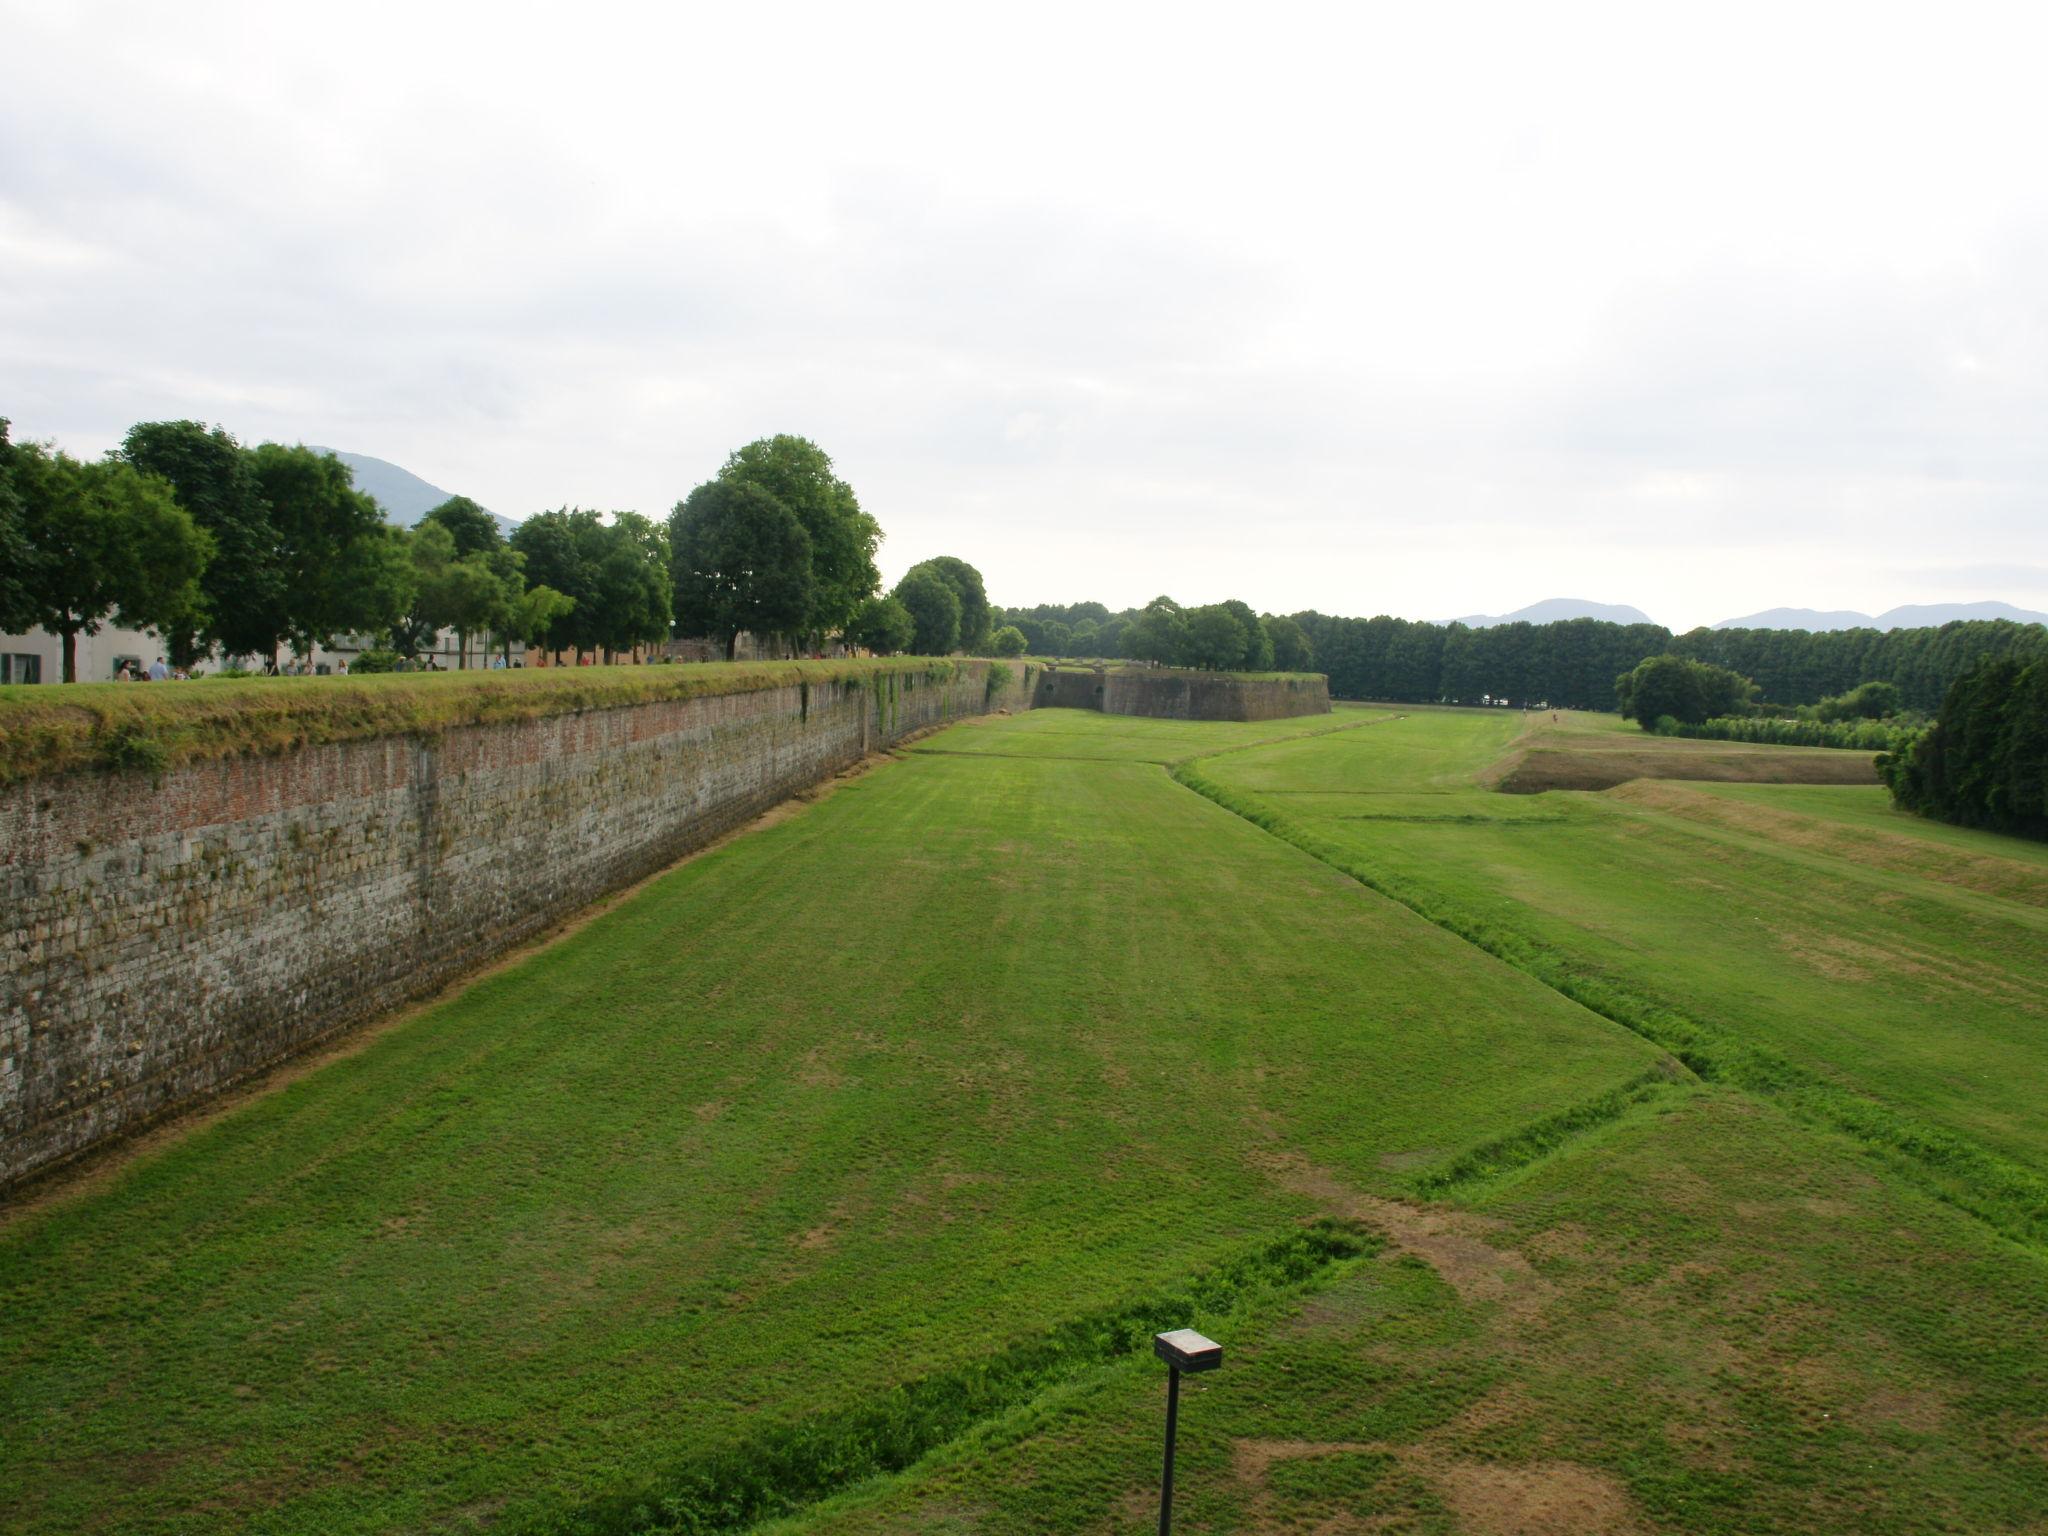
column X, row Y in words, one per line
column 18, row 667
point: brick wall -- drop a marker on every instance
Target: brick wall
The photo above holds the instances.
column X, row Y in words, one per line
column 165, row 938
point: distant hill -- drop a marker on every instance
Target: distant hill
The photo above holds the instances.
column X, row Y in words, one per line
column 1551, row 609
column 1911, row 616
column 1799, row 618
column 403, row 495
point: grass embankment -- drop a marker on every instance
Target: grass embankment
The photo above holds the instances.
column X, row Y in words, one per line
column 971, row 1052
column 1600, row 751
column 1889, row 985
column 49, row 730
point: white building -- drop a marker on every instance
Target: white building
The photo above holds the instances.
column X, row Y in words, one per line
column 38, row 656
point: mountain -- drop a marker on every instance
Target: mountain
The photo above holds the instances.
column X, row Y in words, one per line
column 1912, row 616
column 1551, row 609
column 1929, row 615
column 403, row 495
column 1799, row 618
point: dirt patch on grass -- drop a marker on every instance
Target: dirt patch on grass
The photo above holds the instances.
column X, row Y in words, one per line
column 1453, row 1243
column 1569, row 762
column 1543, row 1498
column 1550, row 1498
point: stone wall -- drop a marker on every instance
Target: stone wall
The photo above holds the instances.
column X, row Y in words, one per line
column 164, row 938
column 1173, row 695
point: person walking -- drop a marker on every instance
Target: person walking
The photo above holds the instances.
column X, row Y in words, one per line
column 158, row 672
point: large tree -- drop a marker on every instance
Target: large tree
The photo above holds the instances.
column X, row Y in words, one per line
column 214, row 479
column 553, row 548
column 1292, row 651
column 17, row 600
column 474, row 530
column 934, row 610
column 968, row 586
column 631, row 600
column 883, row 625
column 1680, row 689
column 798, row 473
column 451, row 590
column 342, row 568
column 104, row 541
column 741, row 562
column 1159, row 633
column 1216, row 638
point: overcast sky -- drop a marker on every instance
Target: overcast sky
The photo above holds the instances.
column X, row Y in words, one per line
column 1416, row 309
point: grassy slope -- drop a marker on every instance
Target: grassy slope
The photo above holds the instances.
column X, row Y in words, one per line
column 1759, row 912
column 974, row 1046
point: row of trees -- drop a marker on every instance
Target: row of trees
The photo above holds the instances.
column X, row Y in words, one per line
column 1225, row 637
column 224, row 548
column 1984, row 761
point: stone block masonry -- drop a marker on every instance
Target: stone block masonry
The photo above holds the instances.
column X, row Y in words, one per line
column 166, row 936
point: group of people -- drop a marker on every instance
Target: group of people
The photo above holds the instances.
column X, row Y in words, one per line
column 155, row 672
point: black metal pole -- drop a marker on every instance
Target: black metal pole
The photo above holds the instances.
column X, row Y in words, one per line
column 1166, row 1477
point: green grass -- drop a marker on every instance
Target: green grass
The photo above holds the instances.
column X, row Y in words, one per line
column 1876, row 954
column 972, row 1048
column 833, row 1181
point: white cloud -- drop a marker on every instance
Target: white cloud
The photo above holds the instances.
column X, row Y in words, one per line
column 1430, row 310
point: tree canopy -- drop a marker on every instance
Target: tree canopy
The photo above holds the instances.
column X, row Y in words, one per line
column 798, row 473
column 104, row 541
column 1984, row 761
column 934, row 611
column 882, row 625
column 967, row 585
column 1677, row 688
column 741, row 562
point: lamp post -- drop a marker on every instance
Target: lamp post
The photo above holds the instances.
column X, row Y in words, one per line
column 1182, row 1350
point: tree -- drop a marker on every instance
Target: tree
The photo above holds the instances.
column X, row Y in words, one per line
column 1258, row 645
column 474, row 530
column 741, row 561
column 465, row 593
column 534, row 616
column 1216, row 639
column 1007, row 641
column 17, row 600
column 883, row 625
column 1867, row 701
column 104, row 540
column 214, row 479
column 934, row 610
column 550, row 544
column 1683, row 690
column 967, row 585
column 798, row 473
column 340, row 568
column 1292, row 651
column 632, row 596
column 1157, row 634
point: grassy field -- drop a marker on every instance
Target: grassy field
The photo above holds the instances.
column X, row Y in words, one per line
column 840, row 1174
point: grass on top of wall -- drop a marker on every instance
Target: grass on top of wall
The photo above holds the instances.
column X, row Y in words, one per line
column 47, row 730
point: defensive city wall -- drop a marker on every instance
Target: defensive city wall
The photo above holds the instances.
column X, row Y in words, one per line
column 201, row 879
column 1175, row 695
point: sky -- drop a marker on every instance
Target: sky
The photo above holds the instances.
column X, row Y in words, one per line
column 1423, row 310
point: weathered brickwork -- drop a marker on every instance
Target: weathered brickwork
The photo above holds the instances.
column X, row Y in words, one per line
column 165, row 938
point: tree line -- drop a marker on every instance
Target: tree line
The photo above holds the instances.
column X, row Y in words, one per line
column 239, row 551
column 1223, row 637
column 1984, row 760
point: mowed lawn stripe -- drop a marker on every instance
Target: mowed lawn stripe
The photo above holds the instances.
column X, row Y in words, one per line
column 946, row 1059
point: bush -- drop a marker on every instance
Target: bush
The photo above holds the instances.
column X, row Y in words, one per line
column 1688, row 691
column 1008, row 641
column 1854, row 735
column 379, row 660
